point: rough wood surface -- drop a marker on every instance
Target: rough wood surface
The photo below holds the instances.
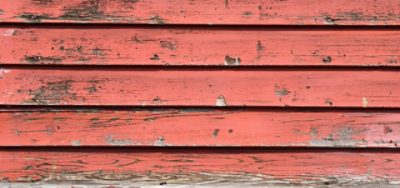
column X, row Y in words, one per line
column 183, row 166
column 200, row 127
column 199, row 46
column 246, row 12
column 146, row 184
column 199, row 87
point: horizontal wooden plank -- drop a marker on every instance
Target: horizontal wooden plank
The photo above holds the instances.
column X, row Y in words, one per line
column 190, row 166
column 246, row 12
column 198, row 46
column 200, row 127
column 200, row 87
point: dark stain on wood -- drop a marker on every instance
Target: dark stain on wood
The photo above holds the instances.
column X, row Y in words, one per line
column 85, row 11
column 157, row 20
column 155, row 57
column 327, row 59
column 328, row 101
column 232, row 60
column 41, row 59
column 34, row 18
column 42, row 2
column 52, row 93
column 168, row 45
column 215, row 133
column 281, row 91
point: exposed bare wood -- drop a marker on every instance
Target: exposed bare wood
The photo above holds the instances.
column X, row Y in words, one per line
column 185, row 166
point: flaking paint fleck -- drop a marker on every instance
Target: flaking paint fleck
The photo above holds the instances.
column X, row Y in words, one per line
column 157, row 100
column 221, row 101
column 327, row 59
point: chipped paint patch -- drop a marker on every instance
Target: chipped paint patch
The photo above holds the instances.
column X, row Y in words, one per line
column 364, row 102
column 157, row 100
column 328, row 101
column 9, row 32
column 281, row 91
column 41, row 59
column 34, row 18
column 160, row 142
column 75, row 142
column 330, row 142
column 53, row 93
column 215, row 133
column 3, row 72
column 221, row 101
column 327, row 59
column 117, row 142
column 157, row 20
column 342, row 138
column 329, row 20
column 232, row 60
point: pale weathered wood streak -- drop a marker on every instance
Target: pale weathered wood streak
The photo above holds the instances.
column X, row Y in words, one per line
column 185, row 166
column 244, row 12
column 198, row 46
column 200, row 127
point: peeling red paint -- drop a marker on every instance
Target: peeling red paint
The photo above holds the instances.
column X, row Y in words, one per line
column 200, row 127
column 203, row 87
column 185, row 46
column 98, row 92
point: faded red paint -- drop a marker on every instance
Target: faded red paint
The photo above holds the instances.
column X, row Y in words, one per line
column 236, row 12
column 177, row 46
column 95, row 92
column 200, row 87
column 200, row 127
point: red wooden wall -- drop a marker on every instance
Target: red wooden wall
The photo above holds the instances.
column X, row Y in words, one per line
column 243, row 92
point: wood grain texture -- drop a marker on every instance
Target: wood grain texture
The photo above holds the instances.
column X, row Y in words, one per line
column 185, row 166
column 198, row 46
column 246, row 12
column 200, row 87
column 200, row 127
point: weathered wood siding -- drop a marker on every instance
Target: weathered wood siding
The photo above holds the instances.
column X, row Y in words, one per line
column 210, row 12
column 200, row 127
column 180, row 166
column 229, row 92
column 256, row 46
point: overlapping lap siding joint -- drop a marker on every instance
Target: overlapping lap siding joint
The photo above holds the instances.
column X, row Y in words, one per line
column 230, row 92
